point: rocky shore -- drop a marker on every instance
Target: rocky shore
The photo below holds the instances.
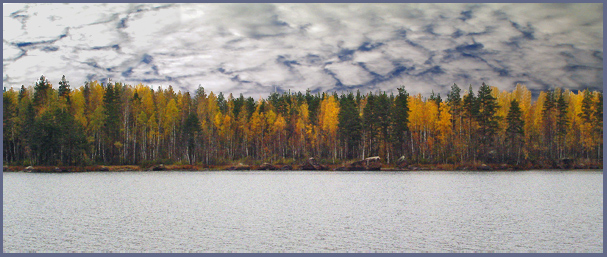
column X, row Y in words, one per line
column 369, row 164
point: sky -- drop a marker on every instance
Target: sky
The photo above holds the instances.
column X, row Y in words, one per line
column 256, row 49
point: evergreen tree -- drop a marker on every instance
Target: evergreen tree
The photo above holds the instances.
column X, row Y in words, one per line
column 470, row 105
column 8, row 112
column 29, row 131
column 598, row 111
column 454, row 101
column 20, row 124
column 587, row 108
column 47, row 138
column 487, row 120
column 549, row 124
column 86, row 92
column 250, row 106
column 221, row 103
column 71, row 138
column 470, row 112
column 64, row 88
column 40, row 92
column 562, row 123
column 200, row 92
column 487, row 109
column 369, row 127
column 111, row 123
column 238, row 104
column 22, row 93
column 514, row 119
column 598, row 123
column 191, row 130
column 313, row 106
column 436, row 99
column 515, row 132
column 400, row 121
column 382, row 115
column 349, row 126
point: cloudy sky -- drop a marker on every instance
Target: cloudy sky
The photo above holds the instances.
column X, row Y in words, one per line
column 255, row 49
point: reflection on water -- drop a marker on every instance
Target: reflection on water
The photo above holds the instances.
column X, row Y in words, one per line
column 304, row 212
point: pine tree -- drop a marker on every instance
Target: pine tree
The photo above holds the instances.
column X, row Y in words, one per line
column 191, row 130
column 587, row 108
column 349, row 126
column 238, row 105
column 71, row 139
column 470, row 105
column 40, row 92
column 487, row 108
column 562, row 123
column 221, row 103
column 22, row 93
column 111, row 123
column 64, row 88
column 454, row 101
column 488, row 120
column 586, row 115
column 400, row 121
column 549, row 123
column 369, row 127
column 598, row 111
column 515, row 132
column 598, row 123
column 470, row 111
column 8, row 111
column 313, row 106
column 251, row 105
column 382, row 112
column 436, row 99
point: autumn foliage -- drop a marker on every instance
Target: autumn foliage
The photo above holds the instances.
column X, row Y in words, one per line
column 136, row 125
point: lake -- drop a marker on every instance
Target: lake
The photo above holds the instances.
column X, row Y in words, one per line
column 299, row 211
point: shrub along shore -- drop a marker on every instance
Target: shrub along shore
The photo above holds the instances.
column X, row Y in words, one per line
column 563, row 165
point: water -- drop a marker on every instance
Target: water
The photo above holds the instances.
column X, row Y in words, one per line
column 534, row 211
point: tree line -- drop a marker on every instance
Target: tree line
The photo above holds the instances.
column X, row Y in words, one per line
column 115, row 123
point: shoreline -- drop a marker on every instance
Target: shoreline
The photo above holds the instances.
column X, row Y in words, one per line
column 336, row 168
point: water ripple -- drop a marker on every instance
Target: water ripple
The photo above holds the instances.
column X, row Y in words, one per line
column 303, row 212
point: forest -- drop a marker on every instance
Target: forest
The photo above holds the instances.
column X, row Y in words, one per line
column 117, row 124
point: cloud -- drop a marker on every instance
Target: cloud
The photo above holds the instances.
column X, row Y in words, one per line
column 255, row 48
column 349, row 74
column 375, row 61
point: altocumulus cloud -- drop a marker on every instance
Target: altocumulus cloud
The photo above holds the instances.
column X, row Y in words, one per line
column 255, row 49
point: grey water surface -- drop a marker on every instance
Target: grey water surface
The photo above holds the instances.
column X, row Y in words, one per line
column 298, row 211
